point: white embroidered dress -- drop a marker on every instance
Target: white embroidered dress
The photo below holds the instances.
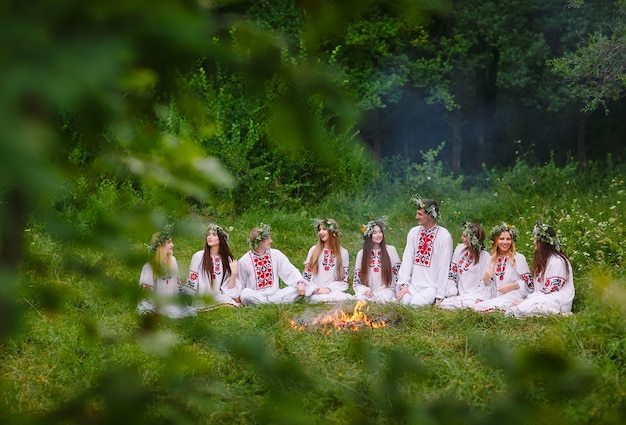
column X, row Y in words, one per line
column 326, row 277
column 164, row 293
column 380, row 292
column 505, row 272
column 425, row 264
column 258, row 275
column 553, row 291
column 465, row 280
column 199, row 285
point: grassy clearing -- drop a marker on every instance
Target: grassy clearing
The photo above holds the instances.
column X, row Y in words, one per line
column 84, row 356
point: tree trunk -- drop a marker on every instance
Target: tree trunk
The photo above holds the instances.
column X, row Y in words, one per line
column 581, row 148
column 376, row 137
column 486, row 94
column 12, row 230
column 457, row 125
column 457, row 143
column 480, row 116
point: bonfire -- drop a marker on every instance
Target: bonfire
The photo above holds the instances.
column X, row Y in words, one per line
column 339, row 320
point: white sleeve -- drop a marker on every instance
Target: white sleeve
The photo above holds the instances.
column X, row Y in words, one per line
column 406, row 268
column 286, row 271
column 443, row 263
column 146, row 279
column 358, row 286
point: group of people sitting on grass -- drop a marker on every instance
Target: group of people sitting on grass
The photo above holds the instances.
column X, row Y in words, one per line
column 427, row 274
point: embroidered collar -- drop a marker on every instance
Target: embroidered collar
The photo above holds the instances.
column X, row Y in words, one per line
column 256, row 254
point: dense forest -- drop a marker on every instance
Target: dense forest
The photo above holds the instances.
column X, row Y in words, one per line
column 495, row 81
column 293, row 96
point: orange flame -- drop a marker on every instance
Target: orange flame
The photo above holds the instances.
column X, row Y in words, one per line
column 339, row 320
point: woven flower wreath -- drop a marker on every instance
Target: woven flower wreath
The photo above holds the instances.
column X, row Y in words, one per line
column 163, row 236
column 431, row 210
column 264, row 233
column 540, row 233
column 471, row 237
column 368, row 229
column 504, row 227
column 212, row 227
column 330, row 226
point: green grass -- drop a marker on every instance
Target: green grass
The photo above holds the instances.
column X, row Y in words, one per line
column 84, row 356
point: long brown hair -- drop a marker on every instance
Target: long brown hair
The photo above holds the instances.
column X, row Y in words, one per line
column 224, row 252
column 368, row 247
column 335, row 248
column 544, row 251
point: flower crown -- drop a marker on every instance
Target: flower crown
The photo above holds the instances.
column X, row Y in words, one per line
column 368, row 229
column 471, row 237
column 264, row 233
column 431, row 210
column 504, row 227
column 212, row 227
column 162, row 237
column 333, row 228
column 540, row 233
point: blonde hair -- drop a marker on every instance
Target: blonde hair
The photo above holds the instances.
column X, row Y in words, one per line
column 335, row 248
column 494, row 250
column 161, row 261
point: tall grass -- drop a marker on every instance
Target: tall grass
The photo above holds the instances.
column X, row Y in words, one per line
column 85, row 356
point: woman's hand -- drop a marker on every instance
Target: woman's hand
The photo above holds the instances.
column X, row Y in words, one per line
column 487, row 276
column 301, row 289
column 321, row 291
column 234, row 267
column 508, row 287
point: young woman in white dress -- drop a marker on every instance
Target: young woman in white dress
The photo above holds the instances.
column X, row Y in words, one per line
column 508, row 276
column 160, row 276
column 376, row 267
column 212, row 278
column 469, row 263
column 553, row 283
column 327, row 265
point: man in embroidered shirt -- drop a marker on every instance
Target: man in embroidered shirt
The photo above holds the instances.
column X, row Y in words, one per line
column 261, row 268
column 426, row 258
